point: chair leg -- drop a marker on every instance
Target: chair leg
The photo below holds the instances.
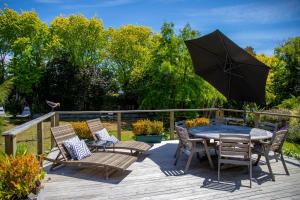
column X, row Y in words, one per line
column 250, row 174
column 208, row 155
column 219, row 170
column 177, row 156
column 188, row 162
column 276, row 156
column 284, row 165
column 269, row 166
column 257, row 160
column 177, row 149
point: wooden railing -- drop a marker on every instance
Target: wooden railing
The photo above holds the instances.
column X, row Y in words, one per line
column 10, row 140
column 10, row 135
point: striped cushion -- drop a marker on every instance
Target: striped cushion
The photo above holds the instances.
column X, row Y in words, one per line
column 113, row 139
column 67, row 143
column 80, row 150
column 102, row 135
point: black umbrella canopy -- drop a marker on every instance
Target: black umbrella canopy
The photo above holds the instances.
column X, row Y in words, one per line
column 228, row 67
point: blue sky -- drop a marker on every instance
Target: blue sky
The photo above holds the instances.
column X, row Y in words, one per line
column 260, row 24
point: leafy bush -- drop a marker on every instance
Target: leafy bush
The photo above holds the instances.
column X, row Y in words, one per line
column 19, row 176
column 147, row 127
column 82, row 130
column 202, row 121
column 294, row 134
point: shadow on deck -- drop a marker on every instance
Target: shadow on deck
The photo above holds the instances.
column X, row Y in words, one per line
column 155, row 177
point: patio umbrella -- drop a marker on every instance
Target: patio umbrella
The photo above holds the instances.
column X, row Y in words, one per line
column 228, row 67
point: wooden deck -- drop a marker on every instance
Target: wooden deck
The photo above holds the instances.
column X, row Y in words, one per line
column 155, row 177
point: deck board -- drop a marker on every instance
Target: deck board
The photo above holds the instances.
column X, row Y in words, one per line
column 155, row 177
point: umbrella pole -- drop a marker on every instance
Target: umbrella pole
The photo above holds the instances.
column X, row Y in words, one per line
column 245, row 112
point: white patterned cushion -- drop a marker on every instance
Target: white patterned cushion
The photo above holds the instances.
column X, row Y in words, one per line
column 113, row 139
column 67, row 144
column 102, row 135
column 80, row 150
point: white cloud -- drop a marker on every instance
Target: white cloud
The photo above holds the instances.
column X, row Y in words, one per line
column 252, row 13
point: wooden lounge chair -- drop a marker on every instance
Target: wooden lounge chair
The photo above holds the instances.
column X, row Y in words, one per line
column 276, row 143
column 109, row 161
column 235, row 149
column 139, row 147
column 190, row 146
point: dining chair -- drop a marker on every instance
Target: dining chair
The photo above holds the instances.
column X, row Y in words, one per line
column 190, row 146
column 263, row 149
column 235, row 149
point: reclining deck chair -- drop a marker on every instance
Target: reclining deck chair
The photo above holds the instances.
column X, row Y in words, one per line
column 139, row 147
column 108, row 161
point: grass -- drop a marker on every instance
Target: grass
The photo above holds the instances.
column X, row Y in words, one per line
column 291, row 149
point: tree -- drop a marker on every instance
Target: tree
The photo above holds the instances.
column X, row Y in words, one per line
column 250, row 50
column 172, row 82
column 286, row 78
column 276, row 67
column 81, row 38
column 129, row 54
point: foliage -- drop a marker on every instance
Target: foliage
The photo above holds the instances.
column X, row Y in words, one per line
column 14, row 105
column 19, row 176
column 294, row 134
column 292, row 149
column 275, row 66
column 202, row 121
column 5, row 89
column 82, row 130
column 286, row 79
column 147, row 127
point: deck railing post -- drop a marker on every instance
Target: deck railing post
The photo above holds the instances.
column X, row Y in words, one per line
column 56, row 118
column 257, row 119
column 40, row 138
column 10, row 144
column 52, row 125
column 119, row 118
column 172, row 121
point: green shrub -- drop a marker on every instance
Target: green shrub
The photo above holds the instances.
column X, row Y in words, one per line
column 19, row 175
column 82, row 130
column 294, row 134
column 147, row 127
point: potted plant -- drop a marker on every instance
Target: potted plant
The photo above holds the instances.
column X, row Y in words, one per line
column 20, row 176
column 148, row 131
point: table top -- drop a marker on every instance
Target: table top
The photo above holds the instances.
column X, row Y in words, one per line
column 214, row 131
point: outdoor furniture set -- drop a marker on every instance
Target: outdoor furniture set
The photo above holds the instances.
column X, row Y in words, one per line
column 233, row 144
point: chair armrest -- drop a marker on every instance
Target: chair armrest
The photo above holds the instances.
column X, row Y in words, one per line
column 264, row 142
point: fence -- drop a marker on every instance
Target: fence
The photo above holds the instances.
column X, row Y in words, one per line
column 10, row 140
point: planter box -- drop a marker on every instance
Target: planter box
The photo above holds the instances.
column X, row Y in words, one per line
column 149, row 138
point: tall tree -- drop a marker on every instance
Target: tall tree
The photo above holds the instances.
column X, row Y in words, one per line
column 286, row 79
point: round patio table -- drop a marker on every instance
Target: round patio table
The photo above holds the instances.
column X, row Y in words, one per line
column 214, row 131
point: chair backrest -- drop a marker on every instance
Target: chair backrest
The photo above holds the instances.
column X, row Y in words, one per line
column 217, row 121
column 180, row 123
column 278, row 139
column 183, row 137
column 268, row 126
column 235, row 145
column 60, row 134
column 26, row 111
column 94, row 126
